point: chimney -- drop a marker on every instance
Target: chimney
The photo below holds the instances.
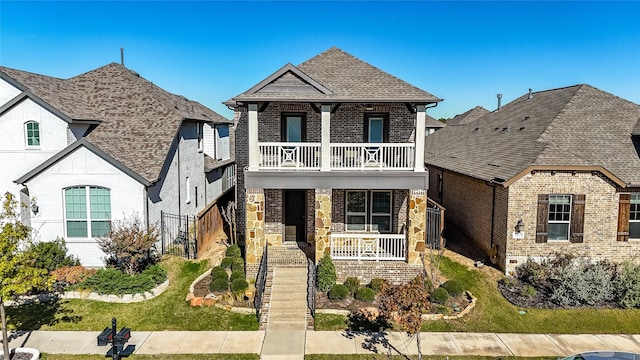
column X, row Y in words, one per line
column 499, row 100
column 530, row 94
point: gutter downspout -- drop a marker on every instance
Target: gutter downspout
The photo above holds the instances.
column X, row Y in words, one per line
column 179, row 185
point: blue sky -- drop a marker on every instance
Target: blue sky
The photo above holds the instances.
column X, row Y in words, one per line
column 210, row 51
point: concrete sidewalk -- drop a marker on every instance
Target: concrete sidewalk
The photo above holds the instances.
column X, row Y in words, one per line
column 332, row 342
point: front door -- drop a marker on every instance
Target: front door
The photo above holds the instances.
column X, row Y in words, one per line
column 295, row 209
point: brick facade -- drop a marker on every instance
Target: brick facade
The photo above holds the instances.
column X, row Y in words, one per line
column 396, row 272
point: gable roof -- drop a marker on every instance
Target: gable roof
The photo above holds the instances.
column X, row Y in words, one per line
column 138, row 120
column 468, row 116
column 431, row 122
column 344, row 77
column 578, row 127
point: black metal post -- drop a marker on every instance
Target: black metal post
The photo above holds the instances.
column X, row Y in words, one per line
column 114, row 351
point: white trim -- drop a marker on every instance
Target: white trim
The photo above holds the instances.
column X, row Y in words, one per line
column 636, row 195
column 26, row 135
column 188, row 186
column 88, row 217
column 568, row 222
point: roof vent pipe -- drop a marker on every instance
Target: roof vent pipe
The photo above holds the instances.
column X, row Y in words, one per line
column 499, row 100
column 530, row 94
column 122, row 57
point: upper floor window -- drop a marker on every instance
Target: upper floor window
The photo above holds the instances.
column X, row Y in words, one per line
column 634, row 217
column 376, row 128
column 200, row 130
column 87, row 211
column 293, row 127
column 32, row 133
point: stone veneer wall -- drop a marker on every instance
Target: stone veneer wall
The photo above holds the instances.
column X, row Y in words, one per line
column 600, row 218
column 396, row 272
column 322, row 222
column 417, row 225
column 254, row 229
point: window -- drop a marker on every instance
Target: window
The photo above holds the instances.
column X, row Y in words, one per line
column 559, row 217
column 368, row 210
column 200, row 130
column 376, row 128
column 32, row 133
column 293, row 127
column 87, row 211
column 188, row 186
column 634, row 217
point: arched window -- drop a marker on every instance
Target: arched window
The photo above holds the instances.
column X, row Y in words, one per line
column 32, row 133
column 87, row 211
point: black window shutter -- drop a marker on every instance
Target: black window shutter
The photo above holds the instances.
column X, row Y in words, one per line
column 577, row 219
column 542, row 219
column 624, row 208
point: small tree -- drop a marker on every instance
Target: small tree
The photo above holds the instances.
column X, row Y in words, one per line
column 128, row 244
column 405, row 304
column 229, row 215
column 17, row 274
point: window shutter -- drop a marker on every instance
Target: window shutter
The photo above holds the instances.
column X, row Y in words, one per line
column 542, row 218
column 577, row 219
column 623, row 217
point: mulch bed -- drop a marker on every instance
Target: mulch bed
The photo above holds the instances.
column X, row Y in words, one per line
column 201, row 288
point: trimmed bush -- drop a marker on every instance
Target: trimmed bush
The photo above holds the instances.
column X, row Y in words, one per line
column 353, row 284
column 237, row 275
column 70, row 275
column 226, row 262
column 156, row 273
column 584, row 282
column 51, row 255
column 239, row 285
column 627, row 285
column 219, row 272
column 237, row 264
column 439, row 295
column 377, row 284
column 219, row 284
column 454, row 288
column 365, row 294
column 326, row 274
column 233, row 251
column 338, row 292
column 115, row 282
column 528, row 291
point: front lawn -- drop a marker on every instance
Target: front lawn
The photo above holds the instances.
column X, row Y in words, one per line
column 168, row 311
column 493, row 313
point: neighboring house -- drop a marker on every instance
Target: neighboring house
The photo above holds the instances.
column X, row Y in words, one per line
column 105, row 145
column 432, row 125
column 468, row 116
column 330, row 155
column 552, row 171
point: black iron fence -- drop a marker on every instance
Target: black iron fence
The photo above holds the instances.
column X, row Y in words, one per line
column 311, row 287
column 178, row 235
column 433, row 228
column 261, row 281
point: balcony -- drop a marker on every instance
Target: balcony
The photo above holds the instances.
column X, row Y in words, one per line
column 356, row 156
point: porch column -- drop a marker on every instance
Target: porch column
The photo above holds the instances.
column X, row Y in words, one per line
column 254, row 149
column 322, row 222
column 325, row 138
column 255, row 230
column 416, row 230
column 421, row 115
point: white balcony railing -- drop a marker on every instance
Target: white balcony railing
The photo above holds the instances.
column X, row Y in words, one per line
column 368, row 246
column 356, row 156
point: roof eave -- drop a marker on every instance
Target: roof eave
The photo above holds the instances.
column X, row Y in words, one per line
column 600, row 169
column 240, row 100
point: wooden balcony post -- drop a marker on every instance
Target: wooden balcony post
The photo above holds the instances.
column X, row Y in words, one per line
column 325, row 150
column 421, row 115
column 254, row 149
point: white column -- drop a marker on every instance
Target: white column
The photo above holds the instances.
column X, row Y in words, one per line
column 254, row 149
column 325, row 138
column 421, row 115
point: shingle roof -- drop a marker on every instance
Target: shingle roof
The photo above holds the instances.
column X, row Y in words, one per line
column 468, row 116
column 139, row 120
column 430, row 122
column 345, row 76
column 573, row 126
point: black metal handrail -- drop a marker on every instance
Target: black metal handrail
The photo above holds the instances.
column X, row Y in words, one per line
column 311, row 287
column 261, row 280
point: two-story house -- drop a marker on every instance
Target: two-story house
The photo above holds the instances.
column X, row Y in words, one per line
column 105, row 145
column 330, row 157
column 552, row 171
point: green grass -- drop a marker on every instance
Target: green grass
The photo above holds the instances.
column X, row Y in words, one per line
column 493, row 313
column 156, row 357
column 168, row 311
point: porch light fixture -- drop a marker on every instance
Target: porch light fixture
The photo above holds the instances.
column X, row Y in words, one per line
column 35, row 208
column 519, row 226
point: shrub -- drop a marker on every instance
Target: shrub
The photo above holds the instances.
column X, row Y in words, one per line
column 453, row 287
column 156, row 273
column 627, row 286
column 439, row 295
column 51, row 255
column 365, row 294
column 226, row 262
column 338, row 292
column 528, row 291
column 326, row 274
column 239, row 285
column 237, row 264
column 353, row 284
column 219, row 272
column 377, row 284
column 583, row 282
column 237, row 275
column 128, row 244
column 219, row 284
column 71, row 275
column 116, row 282
column 428, row 284
column 233, row 251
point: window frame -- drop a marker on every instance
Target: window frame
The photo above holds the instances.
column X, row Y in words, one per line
column 567, row 222
column 27, row 137
column 200, row 136
column 634, row 214
column 385, row 126
column 284, row 117
column 89, row 207
column 368, row 214
column 379, row 214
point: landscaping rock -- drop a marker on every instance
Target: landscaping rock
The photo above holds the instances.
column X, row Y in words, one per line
column 196, row 301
